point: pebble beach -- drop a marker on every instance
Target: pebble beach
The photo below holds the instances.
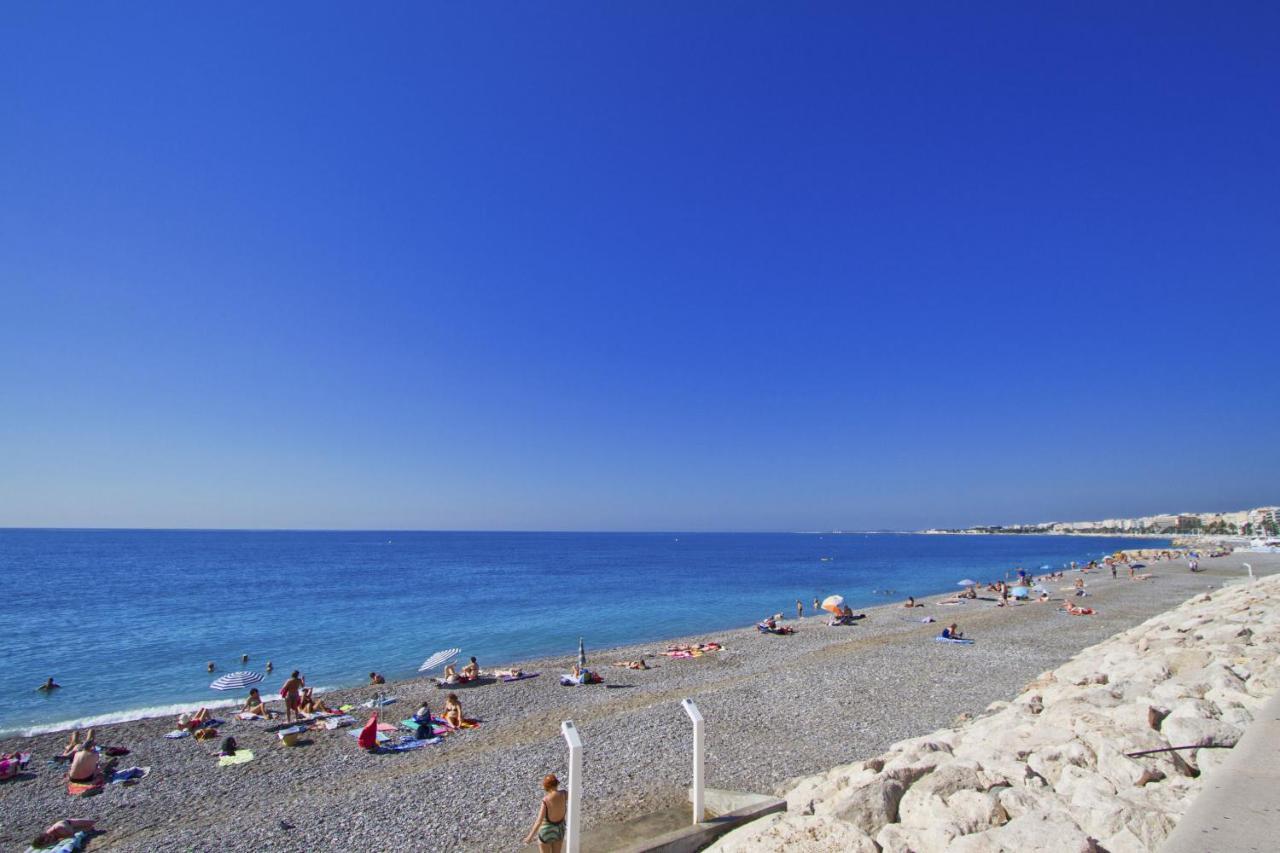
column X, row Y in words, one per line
column 777, row 708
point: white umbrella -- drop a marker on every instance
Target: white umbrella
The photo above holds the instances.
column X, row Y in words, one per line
column 439, row 659
column 236, row 680
column 832, row 603
column 967, row 582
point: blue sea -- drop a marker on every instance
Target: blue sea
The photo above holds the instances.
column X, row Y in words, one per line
column 125, row 620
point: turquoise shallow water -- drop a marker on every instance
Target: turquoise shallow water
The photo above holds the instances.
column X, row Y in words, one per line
column 125, row 620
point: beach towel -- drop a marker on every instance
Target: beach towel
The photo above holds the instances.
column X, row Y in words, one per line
column 80, row 789
column 335, row 723
column 245, row 715
column 382, row 738
column 66, row 845
column 440, row 725
column 375, row 703
column 241, row 756
column 178, row 733
column 957, row 641
column 405, row 744
column 567, row 680
column 368, row 737
column 521, row 677
column 386, row 727
column 130, row 774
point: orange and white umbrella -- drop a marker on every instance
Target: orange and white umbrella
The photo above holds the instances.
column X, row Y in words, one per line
column 833, row 603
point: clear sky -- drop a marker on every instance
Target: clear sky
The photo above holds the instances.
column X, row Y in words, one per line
column 637, row 266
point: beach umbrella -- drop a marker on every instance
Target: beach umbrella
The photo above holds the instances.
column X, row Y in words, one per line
column 833, row 603
column 582, row 655
column 967, row 582
column 236, row 680
column 439, row 659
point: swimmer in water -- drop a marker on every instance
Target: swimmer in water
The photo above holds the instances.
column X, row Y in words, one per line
column 48, row 686
column 210, row 666
column 244, row 658
column 270, row 666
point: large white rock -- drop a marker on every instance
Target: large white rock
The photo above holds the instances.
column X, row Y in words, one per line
column 795, row 833
column 1048, row 832
column 1192, row 731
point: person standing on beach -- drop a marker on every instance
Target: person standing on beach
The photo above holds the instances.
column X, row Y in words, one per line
column 548, row 826
column 291, row 692
column 799, row 609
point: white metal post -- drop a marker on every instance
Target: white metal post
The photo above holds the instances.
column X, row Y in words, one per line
column 695, row 715
column 570, row 733
column 1248, row 568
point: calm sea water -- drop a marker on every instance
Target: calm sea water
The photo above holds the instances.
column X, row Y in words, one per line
column 126, row 620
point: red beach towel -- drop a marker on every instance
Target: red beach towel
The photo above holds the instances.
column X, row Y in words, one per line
column 369, row 734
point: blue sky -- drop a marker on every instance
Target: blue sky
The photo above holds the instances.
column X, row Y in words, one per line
column 650, row 266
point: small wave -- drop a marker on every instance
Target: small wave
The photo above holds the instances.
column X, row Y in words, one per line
column 120, row 717
column 148, row 713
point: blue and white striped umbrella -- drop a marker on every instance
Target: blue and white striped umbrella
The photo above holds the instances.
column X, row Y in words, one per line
column 439, row 659
column 236, row 680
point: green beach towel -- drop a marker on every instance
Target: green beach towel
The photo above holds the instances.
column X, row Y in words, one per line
column 241, row 756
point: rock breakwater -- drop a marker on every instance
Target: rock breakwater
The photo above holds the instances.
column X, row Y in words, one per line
column 1104, row 753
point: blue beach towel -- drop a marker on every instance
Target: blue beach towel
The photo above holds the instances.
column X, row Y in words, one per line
column 405, row 744
column 959, row 642
column 129, row 774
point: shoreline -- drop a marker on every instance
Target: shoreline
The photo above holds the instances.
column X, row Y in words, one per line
column 777, row 708
column 167, row 708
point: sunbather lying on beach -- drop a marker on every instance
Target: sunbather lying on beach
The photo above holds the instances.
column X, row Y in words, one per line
column 1075, row 611
column 63, row 829
column 632, row 664
column 770, row 626
column 194, row 721
column 450, row 675
column 74, row 742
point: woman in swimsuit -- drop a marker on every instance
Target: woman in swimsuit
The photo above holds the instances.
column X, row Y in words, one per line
column 65, row 828
column 450, row 675
column 453, row 711
column 291, row 693
column 471, row 671
column 548, row 826
column 255, row 705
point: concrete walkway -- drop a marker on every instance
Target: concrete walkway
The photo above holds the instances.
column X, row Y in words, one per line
column 1239, row 808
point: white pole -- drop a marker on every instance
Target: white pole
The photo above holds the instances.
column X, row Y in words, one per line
column 570, row 733
column 699, row 813
column 1249, row 567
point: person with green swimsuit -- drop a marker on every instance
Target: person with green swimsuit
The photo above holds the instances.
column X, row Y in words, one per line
column 548, row 826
